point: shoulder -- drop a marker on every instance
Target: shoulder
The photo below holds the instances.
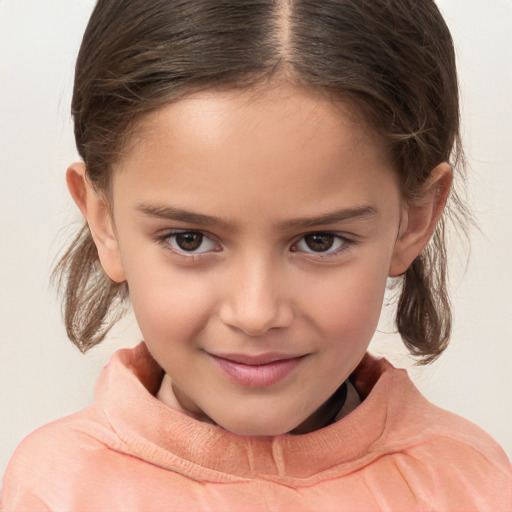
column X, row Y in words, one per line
column 73, row 433
column 414, row 415
column 48, row 459
column 464, row 466
column 408, row 419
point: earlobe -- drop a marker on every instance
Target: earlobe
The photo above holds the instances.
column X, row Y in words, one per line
column 97, row 214
column 420, row 219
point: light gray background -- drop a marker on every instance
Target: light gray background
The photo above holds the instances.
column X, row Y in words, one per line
column 42, row 377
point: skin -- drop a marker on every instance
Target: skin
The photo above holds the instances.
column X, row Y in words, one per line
column 267, row 165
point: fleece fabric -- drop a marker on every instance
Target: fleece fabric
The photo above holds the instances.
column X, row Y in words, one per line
column 130, row 452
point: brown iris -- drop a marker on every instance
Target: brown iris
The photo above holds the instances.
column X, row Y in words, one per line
column 319, row 242
column 189, row 241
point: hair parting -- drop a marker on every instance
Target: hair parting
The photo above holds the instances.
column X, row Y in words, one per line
column 393, row 60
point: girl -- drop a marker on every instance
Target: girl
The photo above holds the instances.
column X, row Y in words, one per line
column 253, row 173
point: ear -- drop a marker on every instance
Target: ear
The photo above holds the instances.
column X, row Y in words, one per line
column 96, row 212
column 420, row 217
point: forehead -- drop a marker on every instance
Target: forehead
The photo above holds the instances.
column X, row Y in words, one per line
column 246, row 144
column 213, row 117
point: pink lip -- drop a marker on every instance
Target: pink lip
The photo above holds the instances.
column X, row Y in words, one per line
column 256, row 371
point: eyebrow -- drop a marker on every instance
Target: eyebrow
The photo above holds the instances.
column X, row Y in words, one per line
column 186, row 216
column 181, row 215
column 358, row 212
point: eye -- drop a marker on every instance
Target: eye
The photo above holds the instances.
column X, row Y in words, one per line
column 192, row 242
column 323, row 243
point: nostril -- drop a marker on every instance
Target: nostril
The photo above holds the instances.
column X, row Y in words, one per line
column 256, row 321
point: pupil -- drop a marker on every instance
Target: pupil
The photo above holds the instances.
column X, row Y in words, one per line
column 189, row 241
column 319, row 242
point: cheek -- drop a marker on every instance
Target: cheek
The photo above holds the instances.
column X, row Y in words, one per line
column 348, row 305
column 168, row 305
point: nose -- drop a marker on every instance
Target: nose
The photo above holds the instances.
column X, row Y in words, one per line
column 256, row 299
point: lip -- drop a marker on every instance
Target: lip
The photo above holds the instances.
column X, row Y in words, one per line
column 259, row 370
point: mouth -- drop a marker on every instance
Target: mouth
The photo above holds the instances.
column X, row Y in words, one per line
column 257, row 371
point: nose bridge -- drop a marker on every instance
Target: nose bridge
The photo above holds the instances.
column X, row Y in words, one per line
column 256, row 298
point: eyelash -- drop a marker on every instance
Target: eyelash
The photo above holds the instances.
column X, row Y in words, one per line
column 345, row 244
column 166, row 240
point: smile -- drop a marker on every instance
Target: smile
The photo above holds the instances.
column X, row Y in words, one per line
column 256, row 371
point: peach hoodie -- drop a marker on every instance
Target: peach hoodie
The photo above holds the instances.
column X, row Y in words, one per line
column 130, row 452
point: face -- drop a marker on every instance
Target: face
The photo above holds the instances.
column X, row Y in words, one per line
column 256, row 232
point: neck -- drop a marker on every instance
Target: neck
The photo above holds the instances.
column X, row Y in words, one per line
column 325, row 415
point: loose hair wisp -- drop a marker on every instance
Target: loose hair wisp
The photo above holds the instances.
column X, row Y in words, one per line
column 393, row 60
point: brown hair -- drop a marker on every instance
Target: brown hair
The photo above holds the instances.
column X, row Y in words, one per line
column 393, row 59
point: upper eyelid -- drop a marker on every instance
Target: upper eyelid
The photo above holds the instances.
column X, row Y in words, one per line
column 172, row 231
column 347, row 244
column 345, row 236
column 165, row 233
column 349, row 239
column 334, row 234
column 163, row 240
